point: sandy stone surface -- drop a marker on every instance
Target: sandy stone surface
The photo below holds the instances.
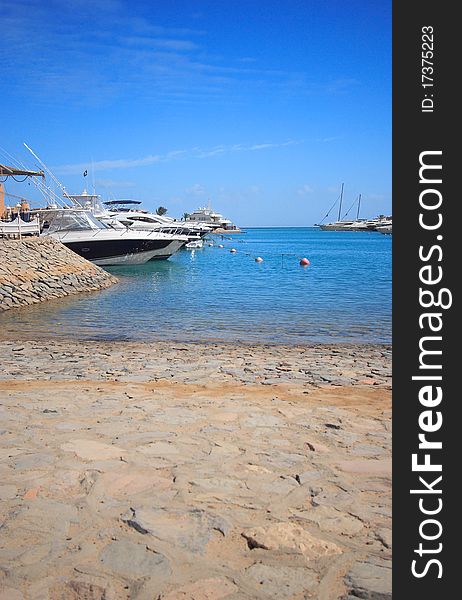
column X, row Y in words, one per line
column 194, row 471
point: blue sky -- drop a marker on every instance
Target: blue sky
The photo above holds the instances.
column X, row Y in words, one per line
column 264, row 108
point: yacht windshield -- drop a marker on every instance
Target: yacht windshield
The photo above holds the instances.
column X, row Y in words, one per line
column 70, row 220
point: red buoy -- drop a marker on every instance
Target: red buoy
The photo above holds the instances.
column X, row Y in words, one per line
column 305, row 262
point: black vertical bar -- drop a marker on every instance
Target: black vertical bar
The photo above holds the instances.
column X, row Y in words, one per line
column 425, row 119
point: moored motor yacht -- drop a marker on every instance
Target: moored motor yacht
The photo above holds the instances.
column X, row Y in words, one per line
column 106, row 244
column 130, row 214
column 207, row 216
column 386, row 229
column 337, row 226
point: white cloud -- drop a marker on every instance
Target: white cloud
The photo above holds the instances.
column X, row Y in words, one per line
column 327, row 140
column 123, row 55
column 197, row 153
column 114, row 183
column 107, row 165
column 196, row 190
column 305, row 190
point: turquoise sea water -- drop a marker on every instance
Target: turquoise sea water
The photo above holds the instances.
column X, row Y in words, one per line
column 212, row 294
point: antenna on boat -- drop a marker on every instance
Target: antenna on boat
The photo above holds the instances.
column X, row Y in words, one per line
column 340, row 207
column 359, row 206
column 93, row 176
column 53, row 178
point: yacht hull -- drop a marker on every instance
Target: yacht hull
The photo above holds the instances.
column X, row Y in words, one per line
column 164, row 253
column 123, row 251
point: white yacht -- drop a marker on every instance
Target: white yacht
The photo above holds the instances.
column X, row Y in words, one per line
column 341, row 224
column 129, row 213
column 338, row 226
column 106, row 244
column 386, row 229
column 359, row 225
column 354, row 224
column 207, row 216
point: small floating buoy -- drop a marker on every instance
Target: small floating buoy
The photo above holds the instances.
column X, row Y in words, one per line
column 259, row 259
column 220, row 246
column 210, row 245
column 233, row 250
column 305, row 262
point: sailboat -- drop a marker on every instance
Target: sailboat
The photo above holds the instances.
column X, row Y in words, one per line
column 356, row 224
column 338, row 225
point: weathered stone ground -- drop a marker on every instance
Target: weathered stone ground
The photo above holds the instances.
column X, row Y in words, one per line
column 182, row 471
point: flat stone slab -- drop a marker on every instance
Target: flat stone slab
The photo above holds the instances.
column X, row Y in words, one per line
column 281, row 581
column 330, row 519
column 214, row 588
column 7, row 492
column 385, row 536
column 133, row 560
column 370, row 581
column 379, row 468
column 291, row 538
column 9, row 593
column 190, row 530
column 92, row 450
column 132, row 482
column 32, row 461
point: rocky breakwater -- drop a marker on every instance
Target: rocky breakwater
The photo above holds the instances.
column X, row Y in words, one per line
column 39, row 269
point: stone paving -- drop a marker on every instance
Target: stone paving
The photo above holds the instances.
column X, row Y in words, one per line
column 175, row 471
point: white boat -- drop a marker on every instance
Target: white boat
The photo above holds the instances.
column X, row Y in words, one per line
column 195, row 244
column 130, row 214
column 83, row 224
column 337, row 226
column 341, row 224
column 207, row 216
column 386, row 229
column 105, row 244
column 360, row 225
column 355, row 224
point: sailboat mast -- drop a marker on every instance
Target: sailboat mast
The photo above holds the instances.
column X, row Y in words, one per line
column 340, row 207
column 359, row 206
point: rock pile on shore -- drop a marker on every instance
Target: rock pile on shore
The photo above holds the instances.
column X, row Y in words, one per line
column 38, row 269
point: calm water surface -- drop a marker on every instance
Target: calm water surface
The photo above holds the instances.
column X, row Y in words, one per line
column 212, row 294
